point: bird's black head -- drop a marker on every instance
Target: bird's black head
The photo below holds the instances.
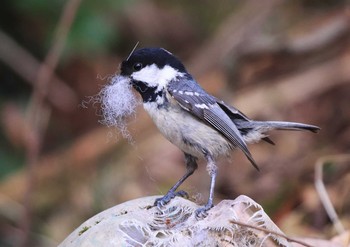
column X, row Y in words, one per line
column 144, row 57
column 150, row 70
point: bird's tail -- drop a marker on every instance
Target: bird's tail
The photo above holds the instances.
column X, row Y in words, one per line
column 280, row 125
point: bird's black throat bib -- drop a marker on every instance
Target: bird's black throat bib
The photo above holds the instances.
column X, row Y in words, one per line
column 148, row 94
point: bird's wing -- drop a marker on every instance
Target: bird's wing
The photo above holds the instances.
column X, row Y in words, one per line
column 191, row 97
column 232, row 112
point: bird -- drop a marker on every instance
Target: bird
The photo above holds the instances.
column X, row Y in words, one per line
column 199, row 124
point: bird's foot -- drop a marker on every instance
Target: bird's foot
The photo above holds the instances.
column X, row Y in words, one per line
column 203, row 211
column 162, row 201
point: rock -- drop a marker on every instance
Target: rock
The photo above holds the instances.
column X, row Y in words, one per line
column 139, row 223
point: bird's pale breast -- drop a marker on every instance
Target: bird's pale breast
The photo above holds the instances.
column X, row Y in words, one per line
column 186, row 132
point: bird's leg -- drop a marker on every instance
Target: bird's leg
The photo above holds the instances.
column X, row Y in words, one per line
column 212, row 170
column 191, row 166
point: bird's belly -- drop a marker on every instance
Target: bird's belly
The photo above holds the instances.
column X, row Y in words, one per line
column 188, row 133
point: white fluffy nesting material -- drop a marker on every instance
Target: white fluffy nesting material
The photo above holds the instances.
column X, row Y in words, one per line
column 118, row 102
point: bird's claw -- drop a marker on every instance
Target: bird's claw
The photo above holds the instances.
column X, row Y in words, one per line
column 203, row 211
column 162, row 201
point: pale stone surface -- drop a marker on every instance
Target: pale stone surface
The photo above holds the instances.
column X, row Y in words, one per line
column 138, row 223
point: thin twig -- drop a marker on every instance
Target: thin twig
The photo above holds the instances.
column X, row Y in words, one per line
column 38, row 112
column 321, row 188
column 270, row 232
column 27, row 67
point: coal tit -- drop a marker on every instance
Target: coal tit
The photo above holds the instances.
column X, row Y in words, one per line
column 201, row 125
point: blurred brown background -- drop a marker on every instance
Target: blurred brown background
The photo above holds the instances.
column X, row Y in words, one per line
column 274, row 60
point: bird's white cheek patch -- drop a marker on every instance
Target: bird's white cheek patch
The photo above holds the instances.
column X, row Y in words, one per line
column 117, row 102
column 156, row 77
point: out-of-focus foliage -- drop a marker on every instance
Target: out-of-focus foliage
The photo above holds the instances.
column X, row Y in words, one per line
column 94, row 30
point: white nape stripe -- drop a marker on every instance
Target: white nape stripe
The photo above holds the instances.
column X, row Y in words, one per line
column 156, row 77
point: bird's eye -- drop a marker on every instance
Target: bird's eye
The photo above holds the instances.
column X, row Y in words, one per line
column 137, row 66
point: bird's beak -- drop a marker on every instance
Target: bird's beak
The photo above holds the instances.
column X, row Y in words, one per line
column 124, row 78
column 128, row 79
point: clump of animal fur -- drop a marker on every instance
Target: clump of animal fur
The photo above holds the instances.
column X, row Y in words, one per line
column 118, row 103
